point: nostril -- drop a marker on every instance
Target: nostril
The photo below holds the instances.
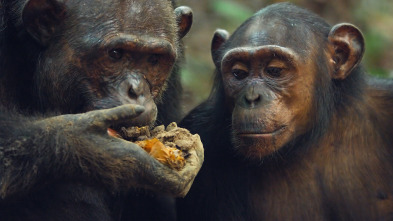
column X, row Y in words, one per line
column 136, row 89
column 132, row 93
column 257, row 99
column 248, row 101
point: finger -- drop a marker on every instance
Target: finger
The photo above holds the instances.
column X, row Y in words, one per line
column 189, row 173
column 199, row 148
column 113, row 116
column 196, row 158
column 120, row 148
column 196, row 146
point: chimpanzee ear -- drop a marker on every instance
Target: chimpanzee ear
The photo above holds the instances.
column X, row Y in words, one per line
column 346, row 49
column 42, row 17
column 219, row 38
column 184, row 20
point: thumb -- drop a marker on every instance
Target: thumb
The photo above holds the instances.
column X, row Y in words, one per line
column 113, row 116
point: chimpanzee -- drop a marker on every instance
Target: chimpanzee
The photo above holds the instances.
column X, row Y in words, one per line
column 294, row 129
column 69, row 71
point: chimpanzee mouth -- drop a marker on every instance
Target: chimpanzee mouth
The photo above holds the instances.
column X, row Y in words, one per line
column 262, row 134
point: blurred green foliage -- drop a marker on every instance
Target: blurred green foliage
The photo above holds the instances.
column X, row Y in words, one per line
column 232, row 11
column 375, row 48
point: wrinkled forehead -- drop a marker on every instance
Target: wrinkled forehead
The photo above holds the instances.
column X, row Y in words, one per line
column 139, row 17
column 274, row 31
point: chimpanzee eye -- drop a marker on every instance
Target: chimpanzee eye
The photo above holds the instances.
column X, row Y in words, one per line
column 239, row 74
column 116, row 53
column 273, row 71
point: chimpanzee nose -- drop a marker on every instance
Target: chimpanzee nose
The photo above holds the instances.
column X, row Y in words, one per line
column 253, row 96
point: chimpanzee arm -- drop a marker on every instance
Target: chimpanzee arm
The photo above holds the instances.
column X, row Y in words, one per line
column 78, row 148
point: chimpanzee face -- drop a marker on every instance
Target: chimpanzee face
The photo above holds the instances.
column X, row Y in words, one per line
column 269, row 69
column 262, row 79
column 104, row 53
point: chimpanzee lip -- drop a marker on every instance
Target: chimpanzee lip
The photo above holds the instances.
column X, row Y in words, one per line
column 263, row 133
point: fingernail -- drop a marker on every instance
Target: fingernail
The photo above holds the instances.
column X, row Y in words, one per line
column 139, row 109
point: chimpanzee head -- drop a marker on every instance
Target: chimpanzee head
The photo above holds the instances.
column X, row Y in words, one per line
column 103, row 53
column 277, row 72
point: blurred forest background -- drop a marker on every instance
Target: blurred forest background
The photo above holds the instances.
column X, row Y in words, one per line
column 373, row 17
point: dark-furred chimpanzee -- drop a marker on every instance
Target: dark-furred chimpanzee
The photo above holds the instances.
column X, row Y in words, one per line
column 69, row 70
column 294, row 129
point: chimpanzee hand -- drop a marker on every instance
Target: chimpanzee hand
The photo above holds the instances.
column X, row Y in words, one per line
column 78, row 148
